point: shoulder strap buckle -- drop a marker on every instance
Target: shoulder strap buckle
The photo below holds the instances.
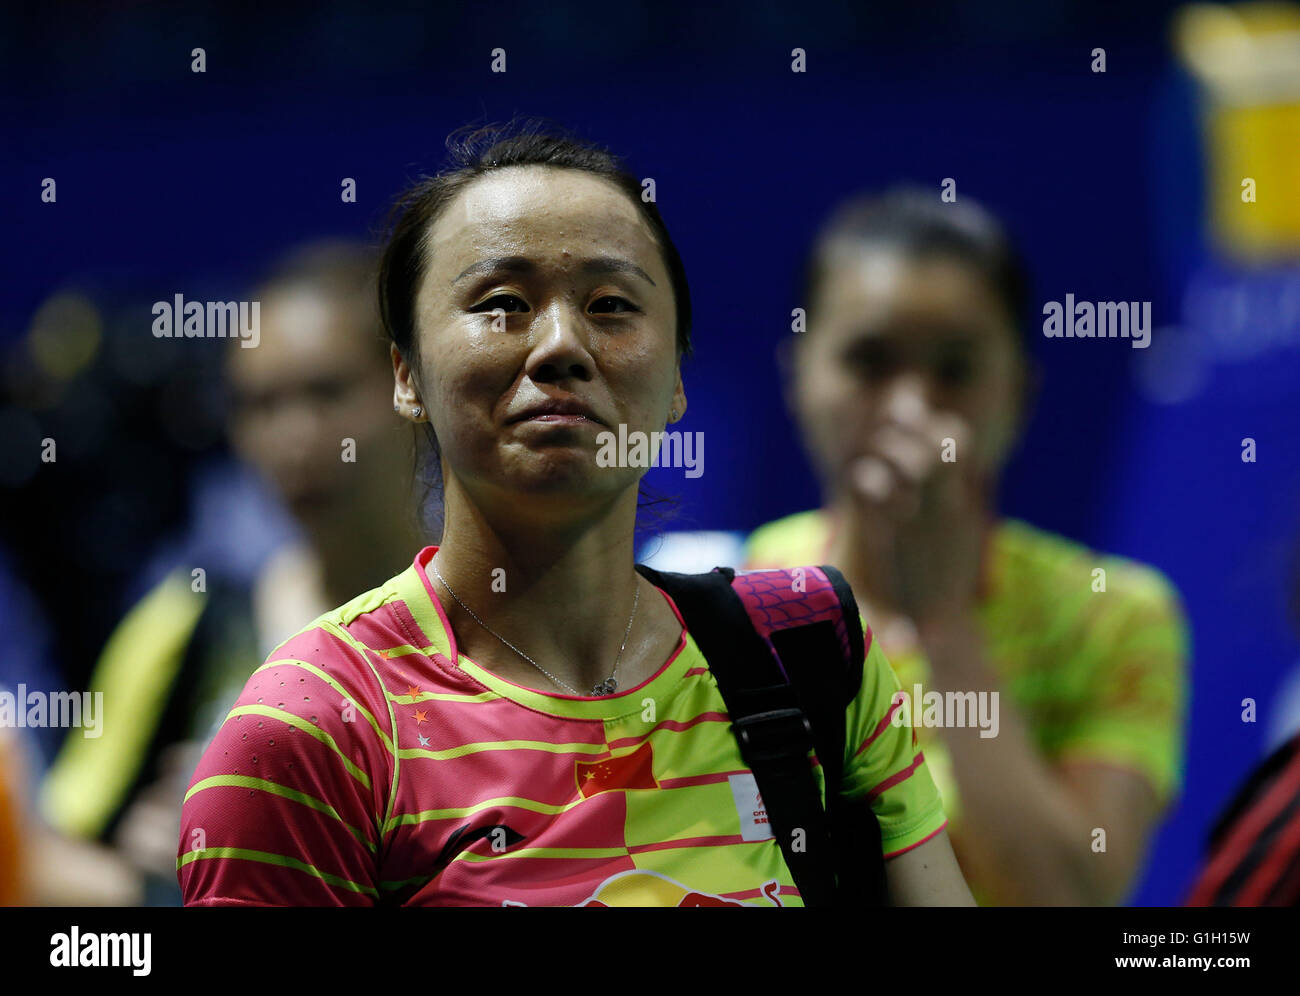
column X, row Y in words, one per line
column 774, row 735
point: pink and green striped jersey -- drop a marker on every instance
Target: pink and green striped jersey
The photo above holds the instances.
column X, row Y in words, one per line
column 368, row 763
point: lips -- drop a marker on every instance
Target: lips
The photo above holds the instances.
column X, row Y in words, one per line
column 559, row 410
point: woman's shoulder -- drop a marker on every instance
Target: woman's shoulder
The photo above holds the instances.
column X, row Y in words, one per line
column 1029, row 558
column 352, row 638
column 794, row 539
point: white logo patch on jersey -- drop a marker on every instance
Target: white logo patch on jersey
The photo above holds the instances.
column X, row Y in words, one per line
column 750, row 808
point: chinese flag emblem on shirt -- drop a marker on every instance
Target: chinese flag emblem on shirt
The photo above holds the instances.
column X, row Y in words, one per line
column 628, row 771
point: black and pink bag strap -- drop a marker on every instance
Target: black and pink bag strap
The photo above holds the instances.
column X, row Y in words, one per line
column 787, row 648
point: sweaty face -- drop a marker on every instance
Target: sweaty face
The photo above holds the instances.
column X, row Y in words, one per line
column 897, row 340
column 317, row 377
column 545, row 317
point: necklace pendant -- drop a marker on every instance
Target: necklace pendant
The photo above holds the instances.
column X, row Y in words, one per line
column 606, row 687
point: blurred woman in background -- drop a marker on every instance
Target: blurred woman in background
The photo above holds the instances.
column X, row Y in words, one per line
column 309, row 415
column 13, row 887
column 911, row 385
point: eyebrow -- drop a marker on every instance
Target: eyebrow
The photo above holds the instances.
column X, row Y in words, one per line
column 520, row 264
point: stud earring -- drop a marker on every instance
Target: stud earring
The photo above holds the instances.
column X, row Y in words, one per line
column 415, row 412
column 396, row 408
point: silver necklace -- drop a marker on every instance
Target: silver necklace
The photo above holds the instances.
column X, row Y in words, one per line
column 606, row 687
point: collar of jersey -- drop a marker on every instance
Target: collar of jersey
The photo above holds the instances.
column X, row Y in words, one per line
column 425, row 606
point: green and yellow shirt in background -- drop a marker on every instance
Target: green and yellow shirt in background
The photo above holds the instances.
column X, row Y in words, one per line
column 1097, row 675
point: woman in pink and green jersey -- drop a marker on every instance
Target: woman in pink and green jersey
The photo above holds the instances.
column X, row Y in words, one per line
column 519, row 718
column 1046, row 681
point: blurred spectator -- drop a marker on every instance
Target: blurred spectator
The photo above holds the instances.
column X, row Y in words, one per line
column 40, row 868
column 312, row 412
column 1255, row 845
column 13, row 891
column 911, row 385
